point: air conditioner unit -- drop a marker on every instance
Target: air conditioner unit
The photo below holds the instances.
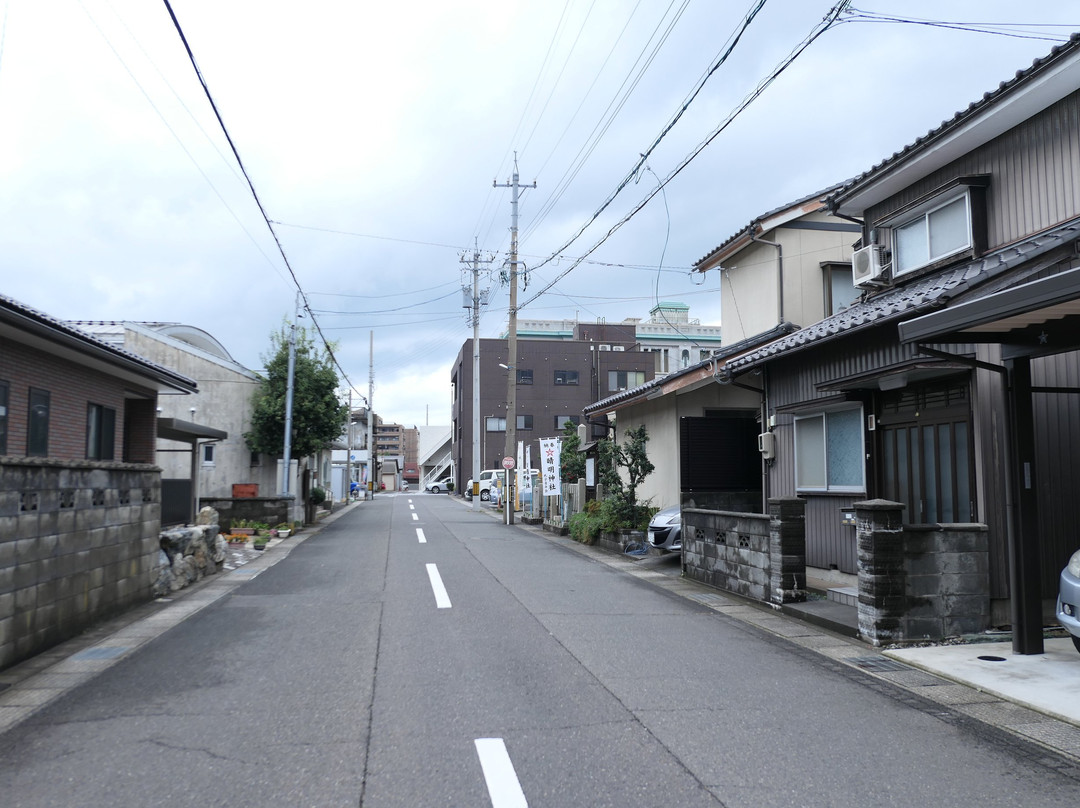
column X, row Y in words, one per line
column 868, row 266
column 766, row 444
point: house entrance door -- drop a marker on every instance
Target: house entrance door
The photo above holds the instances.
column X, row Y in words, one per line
column 926, row 450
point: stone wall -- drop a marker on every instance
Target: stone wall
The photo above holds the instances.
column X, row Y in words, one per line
column 78, row 543
column 920, row 582
column 271, row 510
column 761, row 557
column 189, row 553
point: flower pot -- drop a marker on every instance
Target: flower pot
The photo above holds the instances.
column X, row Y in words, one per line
column 283, row 534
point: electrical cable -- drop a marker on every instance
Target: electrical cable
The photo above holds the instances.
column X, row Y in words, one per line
column 826, row 23
column 732, row 43
column 254, row 194
column 608, row 117
column 1006, row 29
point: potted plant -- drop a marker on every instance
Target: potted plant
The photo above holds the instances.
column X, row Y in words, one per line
column 237, row 539
column 242, row 527
column 283, row 530
column 259, row 543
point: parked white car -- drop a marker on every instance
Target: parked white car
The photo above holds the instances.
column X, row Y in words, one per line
column 445, row 484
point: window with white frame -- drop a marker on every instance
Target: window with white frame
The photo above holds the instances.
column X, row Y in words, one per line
column 208, row 454
column 829, row 451
column 936, row 233
column 625, row 379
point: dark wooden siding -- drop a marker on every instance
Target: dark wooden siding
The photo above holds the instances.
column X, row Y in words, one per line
column 1057, row 436
column 1032, row 168
column 795, row 382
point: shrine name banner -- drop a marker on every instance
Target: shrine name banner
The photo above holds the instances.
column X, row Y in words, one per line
column 549, row 465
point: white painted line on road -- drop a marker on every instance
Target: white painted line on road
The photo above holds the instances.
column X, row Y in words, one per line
column 502, row 782
column 442, row 600
column 420, row 537
column 411, row 506
column 416, row 517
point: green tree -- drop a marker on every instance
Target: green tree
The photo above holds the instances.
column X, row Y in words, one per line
column 633, row 457
column 621, row 508
column 318, row 417
column 571, row 460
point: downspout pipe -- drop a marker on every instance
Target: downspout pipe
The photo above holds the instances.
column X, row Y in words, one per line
column 779, row 266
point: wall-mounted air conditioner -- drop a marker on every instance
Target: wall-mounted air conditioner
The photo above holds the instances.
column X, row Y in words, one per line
column 766, row 444
column 868, row 266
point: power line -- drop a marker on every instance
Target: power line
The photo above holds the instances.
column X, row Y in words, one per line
column 824, row 25
column 747, row 20
column 254, row 193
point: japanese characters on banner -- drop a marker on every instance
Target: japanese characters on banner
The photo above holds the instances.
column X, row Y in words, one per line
column 549, row 465
column 526, row 477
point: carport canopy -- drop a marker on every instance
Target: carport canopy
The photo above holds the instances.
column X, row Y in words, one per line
column 1037, row 318
column 1034, row 319
column 187, row 431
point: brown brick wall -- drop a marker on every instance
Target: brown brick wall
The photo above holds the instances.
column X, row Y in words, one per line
column 71, row 386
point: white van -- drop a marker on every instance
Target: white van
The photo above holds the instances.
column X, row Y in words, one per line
column 487, row 480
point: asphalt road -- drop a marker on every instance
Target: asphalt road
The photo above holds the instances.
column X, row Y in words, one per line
column 415, row 653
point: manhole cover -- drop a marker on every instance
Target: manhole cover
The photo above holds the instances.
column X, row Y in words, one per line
column 989, row 658
column 877, row 663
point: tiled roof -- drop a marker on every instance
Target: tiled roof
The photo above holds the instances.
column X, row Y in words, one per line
column 822, row 194
column 933, row 291
column 30, row 319
column 961, row 117
column 643, row 390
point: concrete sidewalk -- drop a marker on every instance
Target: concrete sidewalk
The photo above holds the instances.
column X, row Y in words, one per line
column 1048, row 682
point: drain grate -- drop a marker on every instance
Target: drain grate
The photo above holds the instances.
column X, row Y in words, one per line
column 877, row 663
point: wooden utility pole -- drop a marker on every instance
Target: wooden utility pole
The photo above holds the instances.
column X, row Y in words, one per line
column 511, row 340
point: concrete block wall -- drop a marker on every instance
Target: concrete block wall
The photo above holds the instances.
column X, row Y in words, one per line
column 758, row 556
column 920, row 582
column 78, row 543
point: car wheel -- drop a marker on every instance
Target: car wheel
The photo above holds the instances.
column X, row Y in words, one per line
column 436, row 490
column 1076, row 642
column 485, row 495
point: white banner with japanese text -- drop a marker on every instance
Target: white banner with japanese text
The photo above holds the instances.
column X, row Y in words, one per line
column 549, row 465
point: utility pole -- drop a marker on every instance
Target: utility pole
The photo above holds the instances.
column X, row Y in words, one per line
column 511, row 340
column 371, row 416
column 474, row 303
column 290, row 378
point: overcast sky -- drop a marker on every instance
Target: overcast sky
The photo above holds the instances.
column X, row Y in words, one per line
column 373, row 133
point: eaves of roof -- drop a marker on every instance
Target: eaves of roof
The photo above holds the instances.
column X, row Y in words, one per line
column 917, row 297
column 765, row 222
column 1048, row 79
column 21, row 323
column 681, row 379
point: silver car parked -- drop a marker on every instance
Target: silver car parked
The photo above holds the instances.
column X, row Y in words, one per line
column 665, row 530
column 1068, row 604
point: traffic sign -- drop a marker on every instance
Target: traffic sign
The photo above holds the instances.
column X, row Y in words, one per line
column 508, row 462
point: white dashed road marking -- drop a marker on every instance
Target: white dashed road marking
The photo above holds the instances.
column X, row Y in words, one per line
column 502, row 782
column 442, row 600
column 420, row 537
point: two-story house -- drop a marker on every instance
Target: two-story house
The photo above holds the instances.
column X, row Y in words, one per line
column 786, row 267
column 953, row 424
